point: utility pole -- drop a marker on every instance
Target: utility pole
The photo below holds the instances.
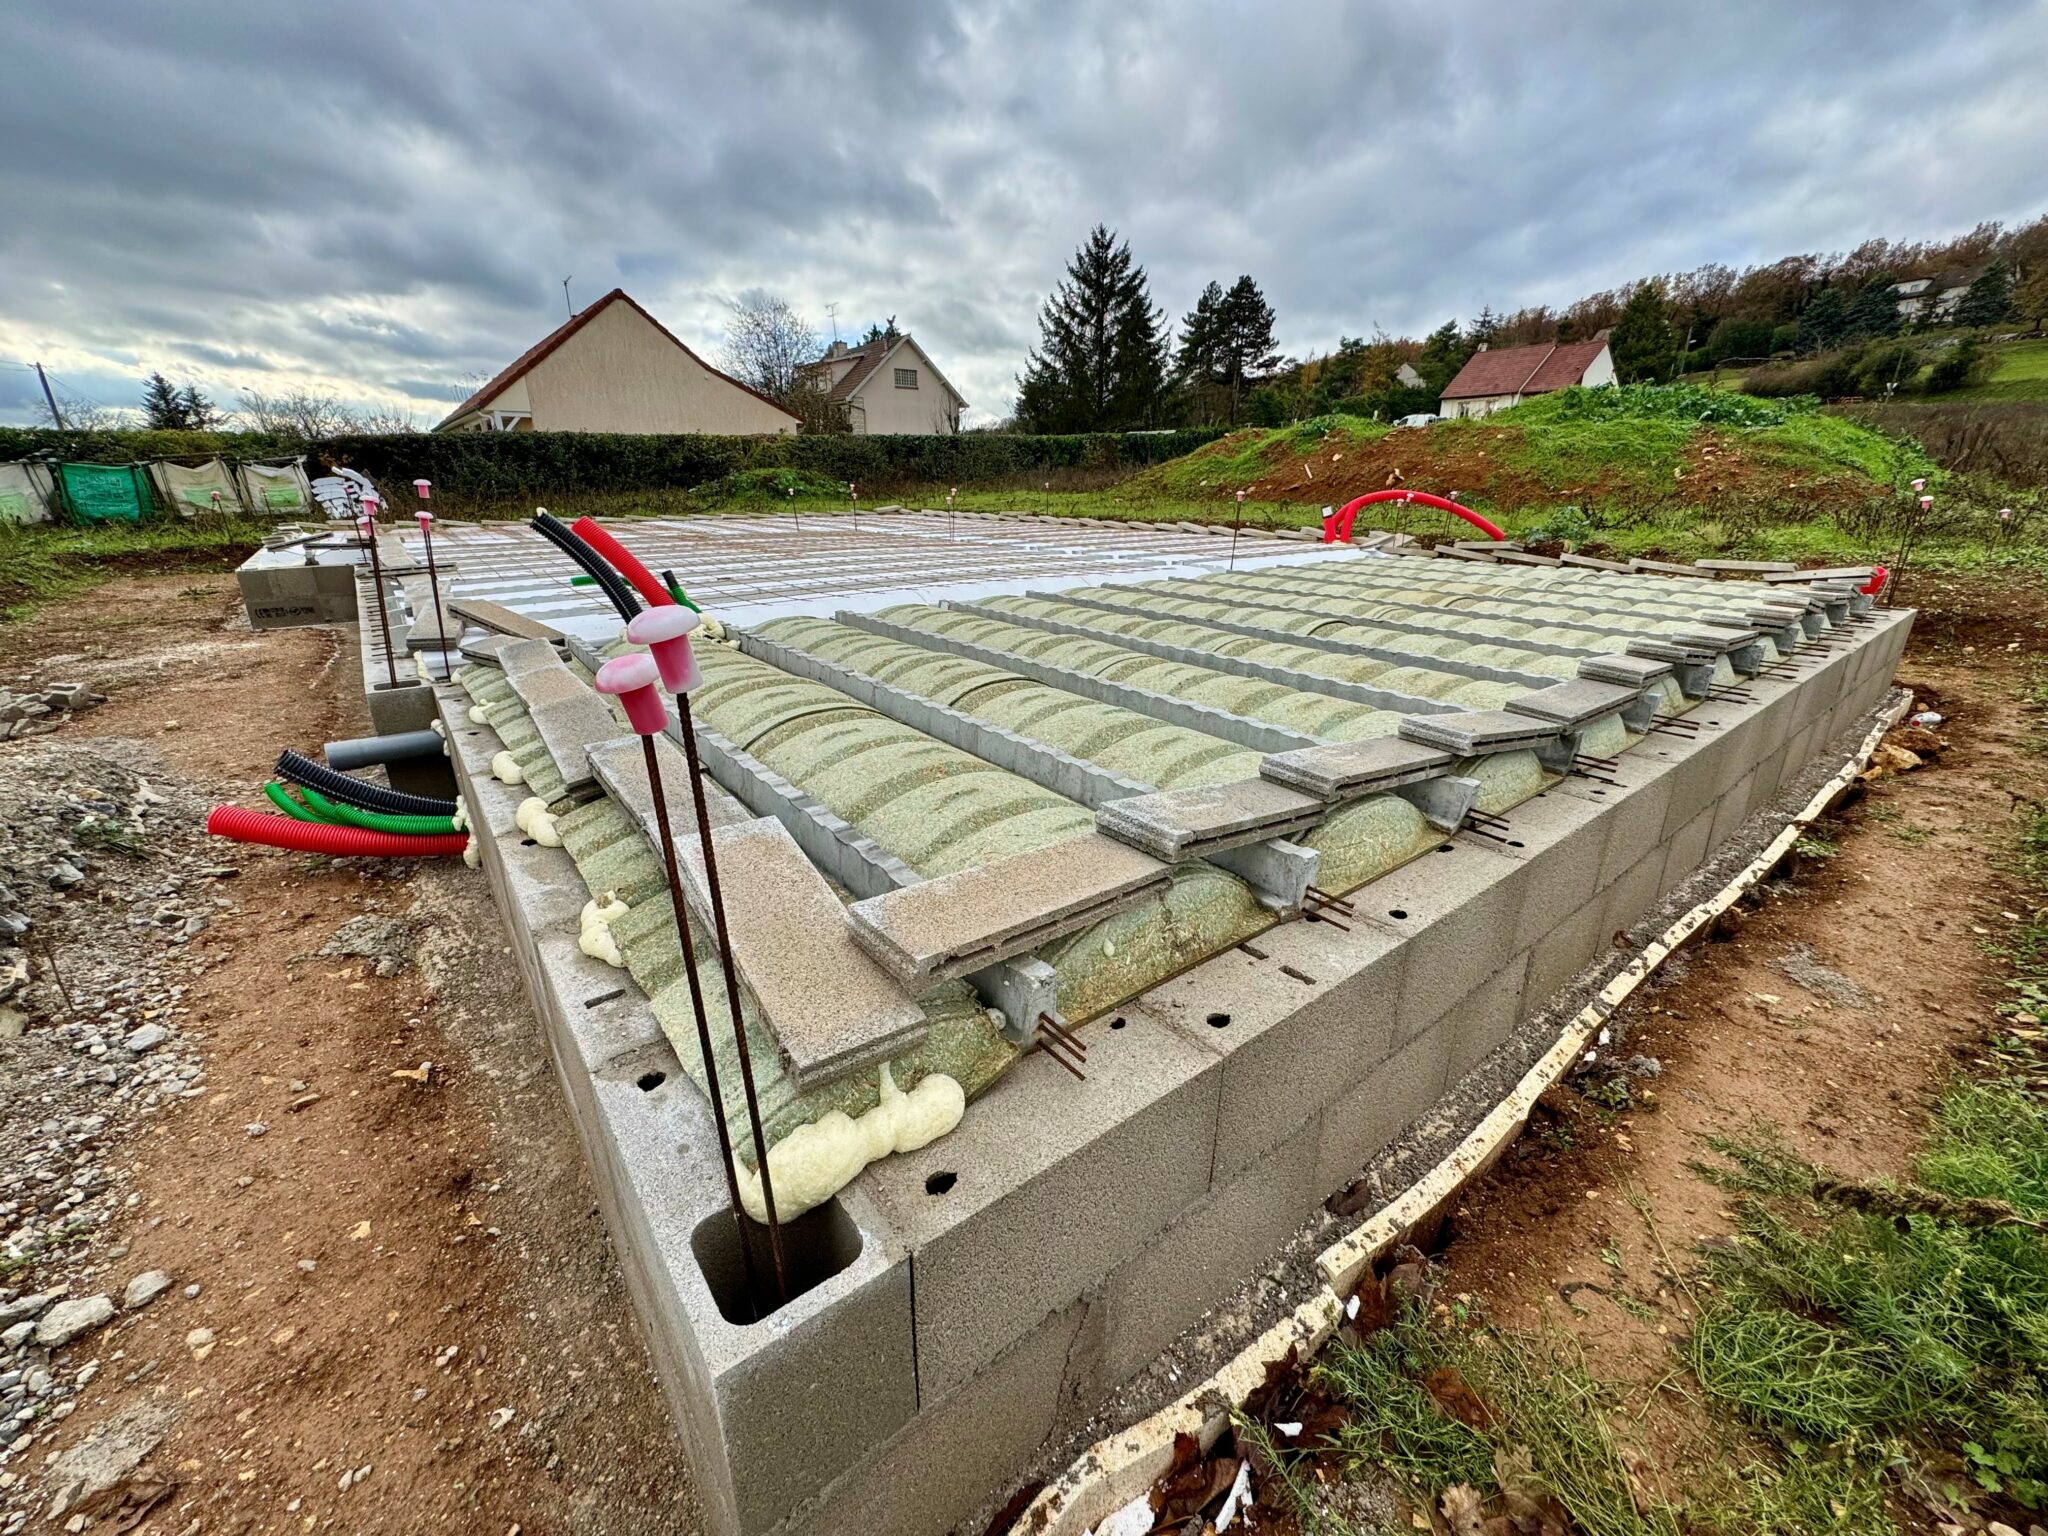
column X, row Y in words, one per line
column 56, row 416
column 832, row 314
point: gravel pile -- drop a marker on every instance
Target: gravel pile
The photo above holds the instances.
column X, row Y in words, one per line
column 106, row 876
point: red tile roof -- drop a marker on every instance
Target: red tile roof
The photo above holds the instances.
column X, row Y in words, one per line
column 867, row 358
column 534, row 354
column 1524, row 370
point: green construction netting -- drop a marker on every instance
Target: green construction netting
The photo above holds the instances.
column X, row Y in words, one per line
column 106, row 493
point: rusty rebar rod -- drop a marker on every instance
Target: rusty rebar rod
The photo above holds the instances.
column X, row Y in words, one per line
column 368, row 529
column 434, row 582
column 732, row 990
column 675, row 894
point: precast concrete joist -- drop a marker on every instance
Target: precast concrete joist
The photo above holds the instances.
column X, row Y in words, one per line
column 1322, row 642
column 1245, row 732
column 1281, row 875
column 1215, row 661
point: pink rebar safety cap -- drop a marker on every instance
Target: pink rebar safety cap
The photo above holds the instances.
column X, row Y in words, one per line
column 631, row 680
column 666, row 632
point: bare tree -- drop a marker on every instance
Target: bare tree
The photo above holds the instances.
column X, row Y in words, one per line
column 770, row 348
column 80, row 414
column 302, row 414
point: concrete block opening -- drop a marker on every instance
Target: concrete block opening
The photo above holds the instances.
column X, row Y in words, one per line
column 819, row 1244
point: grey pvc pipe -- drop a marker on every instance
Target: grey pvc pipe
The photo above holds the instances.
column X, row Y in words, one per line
column 372, row 751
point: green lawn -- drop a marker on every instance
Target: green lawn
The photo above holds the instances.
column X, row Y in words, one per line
column 2022, row 375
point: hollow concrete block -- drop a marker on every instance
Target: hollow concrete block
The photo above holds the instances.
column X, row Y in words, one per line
column 1394, row 1092
column 1639, row 889
column 1223, row 1238
column 1055, row 1182
column 1562, row 843
column 1573, row 942
column 1455, row 909
column 947, row 1464
column 1485, row 1016
column 1289, row 1046
column 1686, row 849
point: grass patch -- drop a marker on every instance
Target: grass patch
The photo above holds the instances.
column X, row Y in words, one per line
column 1545, row 1430
column 45, row 563
column 2021, row 374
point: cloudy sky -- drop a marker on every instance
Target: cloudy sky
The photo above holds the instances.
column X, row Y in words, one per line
column 379, row 200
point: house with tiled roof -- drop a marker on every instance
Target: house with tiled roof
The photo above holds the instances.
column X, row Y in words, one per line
column 613, row 367
column 1497, row 378
column 888, row 384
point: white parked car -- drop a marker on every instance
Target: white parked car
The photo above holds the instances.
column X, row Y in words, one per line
column 1419, row 419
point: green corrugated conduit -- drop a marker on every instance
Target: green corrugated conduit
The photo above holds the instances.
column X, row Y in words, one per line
column 319, row 809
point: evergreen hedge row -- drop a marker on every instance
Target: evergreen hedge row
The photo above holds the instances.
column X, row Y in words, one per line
column 491, row 464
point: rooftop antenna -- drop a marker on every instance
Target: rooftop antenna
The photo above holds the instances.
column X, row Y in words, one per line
column 832, row 314
column 565, row 299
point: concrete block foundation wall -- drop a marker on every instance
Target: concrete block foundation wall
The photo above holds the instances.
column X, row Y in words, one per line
column 1013, row 1273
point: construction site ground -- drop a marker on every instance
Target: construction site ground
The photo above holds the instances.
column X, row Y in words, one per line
column 407, row 1316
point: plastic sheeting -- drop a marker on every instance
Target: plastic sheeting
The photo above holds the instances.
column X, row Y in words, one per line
column 276, row 487
column 26, row 493
column 200, row 488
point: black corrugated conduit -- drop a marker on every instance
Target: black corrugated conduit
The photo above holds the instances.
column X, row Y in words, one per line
column 609, row 581
column 301, row 769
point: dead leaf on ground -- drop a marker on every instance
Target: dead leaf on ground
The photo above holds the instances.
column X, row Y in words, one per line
column 1455, row 1396
column 1531, row 1508
column 1461, row 1505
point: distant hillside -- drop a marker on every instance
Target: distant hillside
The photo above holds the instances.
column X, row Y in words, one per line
column 1617, row 451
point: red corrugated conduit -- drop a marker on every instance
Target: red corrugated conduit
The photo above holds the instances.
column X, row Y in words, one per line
column 623, row 562
column 313, row 837
column 1337, row 528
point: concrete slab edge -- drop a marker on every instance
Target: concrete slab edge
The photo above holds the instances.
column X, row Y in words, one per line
column 1123, row 1466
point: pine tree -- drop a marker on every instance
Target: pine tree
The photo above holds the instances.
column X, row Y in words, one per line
column 1875, row 309
column 1247, row 327
column 1643, row 343
column 163, row 406
column 1443, row 353
column 201, row 415
column 1825, row 322
column 1989, row 299
column 1100, row 363
column 1200, row 332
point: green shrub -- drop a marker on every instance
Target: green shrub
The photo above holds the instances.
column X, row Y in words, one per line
column 1966, row 363
column 487, row 465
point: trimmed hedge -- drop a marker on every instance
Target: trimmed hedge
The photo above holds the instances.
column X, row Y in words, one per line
column 483, row 465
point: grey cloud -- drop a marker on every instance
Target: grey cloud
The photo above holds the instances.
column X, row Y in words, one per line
column 382, row 199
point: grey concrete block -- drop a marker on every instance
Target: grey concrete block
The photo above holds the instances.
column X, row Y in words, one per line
column 1573, row 942
column 1686, row 850
column 947, row 1464
column 1055, row 1183
column 1561, row 840
column 1485, row 1016
column 1638, row 890
column 1227, row 1235
column 1576, row 704
column 1635, row 815
column 1289, row 1045
column 1454, row 910
column 1390, row 1095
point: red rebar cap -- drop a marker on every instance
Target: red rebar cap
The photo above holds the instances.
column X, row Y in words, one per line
column 631, row 680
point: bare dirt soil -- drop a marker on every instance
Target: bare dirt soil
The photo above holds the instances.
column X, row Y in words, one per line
column 407, row 1316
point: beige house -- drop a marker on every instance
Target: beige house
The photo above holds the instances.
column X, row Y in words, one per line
column 888, row 385
column 613, row 368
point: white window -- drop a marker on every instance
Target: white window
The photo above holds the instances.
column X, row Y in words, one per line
column 906, row 378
